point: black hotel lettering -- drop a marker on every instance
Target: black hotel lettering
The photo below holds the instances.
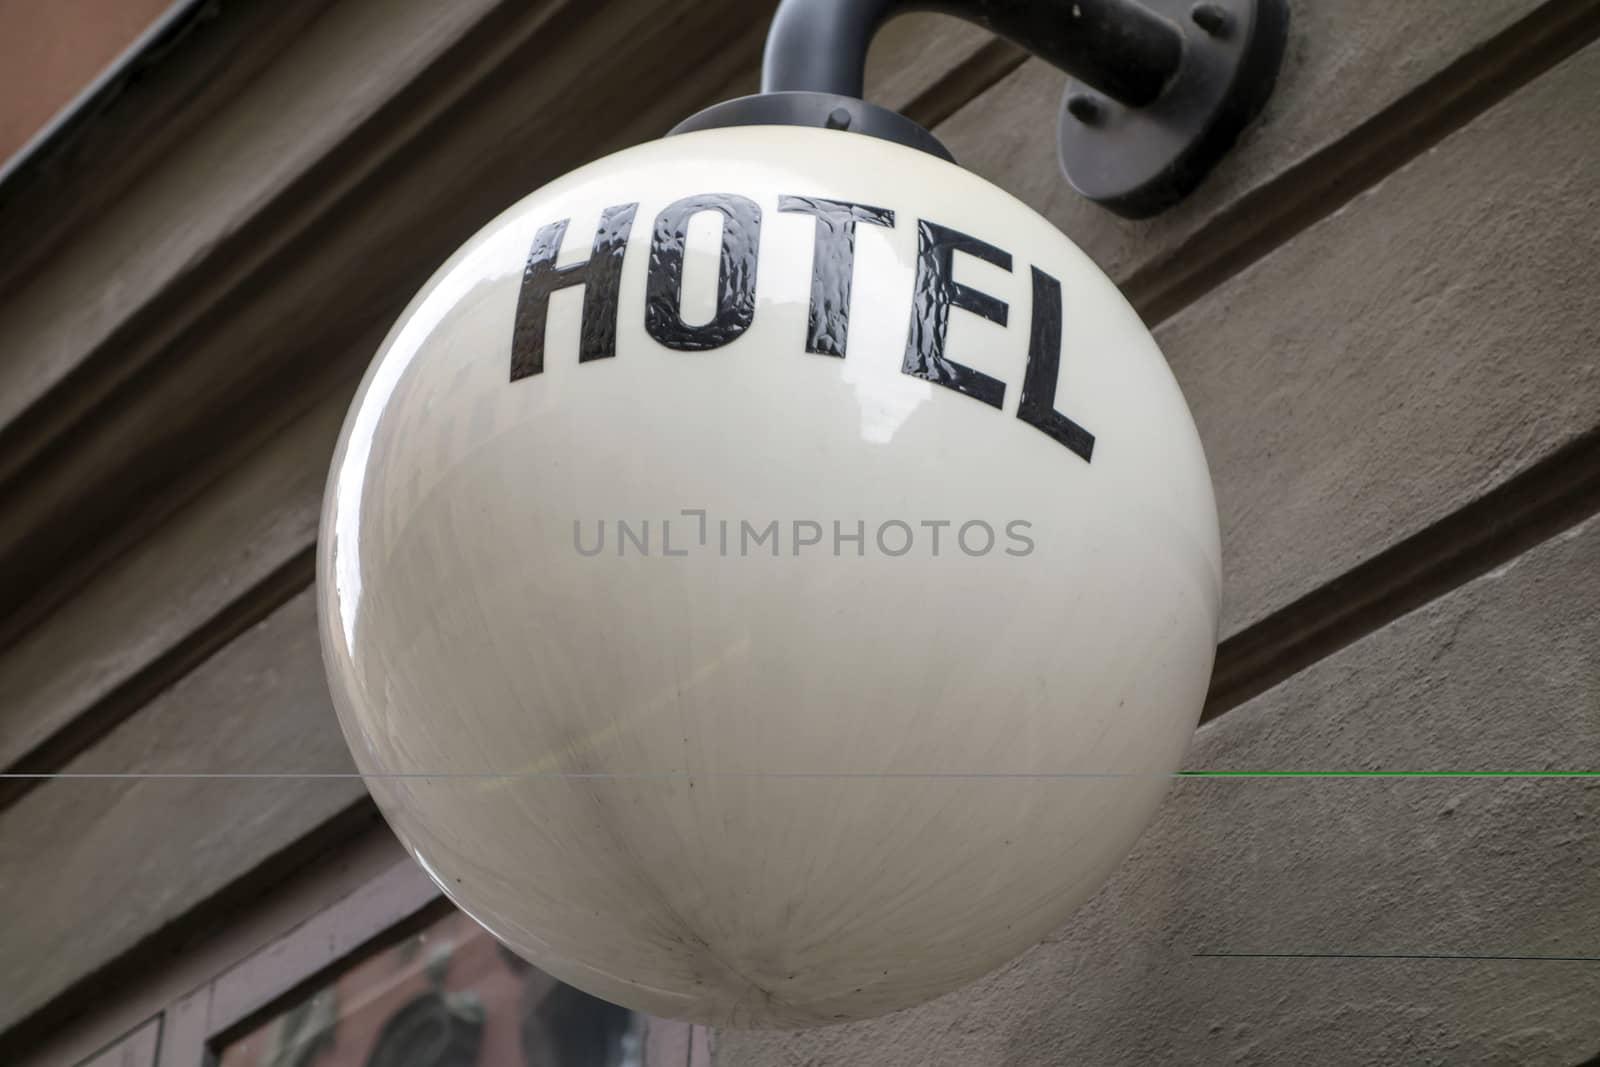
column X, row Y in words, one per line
column 827, row 332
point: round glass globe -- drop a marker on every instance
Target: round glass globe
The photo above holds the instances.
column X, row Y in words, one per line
column 768, row 577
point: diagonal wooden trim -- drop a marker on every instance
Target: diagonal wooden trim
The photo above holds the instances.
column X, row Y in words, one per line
column 170, row 25
column 144, row 620
column 177, row 984
column 167, row 943
column 46, row 408
column 126, row 419
column 1553, row 495
column 208, row 56
column 253, row 604
column 965, row 82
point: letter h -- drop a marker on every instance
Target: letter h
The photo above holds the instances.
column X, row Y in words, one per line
column 601, row 277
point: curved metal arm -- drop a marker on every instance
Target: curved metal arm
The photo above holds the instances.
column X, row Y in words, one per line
column 1160, row 89
column 1120, row 48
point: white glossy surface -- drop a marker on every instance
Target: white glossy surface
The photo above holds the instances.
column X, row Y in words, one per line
column 751, row 790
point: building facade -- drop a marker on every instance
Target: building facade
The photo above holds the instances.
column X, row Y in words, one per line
column 1382, row 309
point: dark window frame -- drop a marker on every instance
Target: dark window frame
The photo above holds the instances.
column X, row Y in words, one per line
column 136, row 1048
column 192, row 1030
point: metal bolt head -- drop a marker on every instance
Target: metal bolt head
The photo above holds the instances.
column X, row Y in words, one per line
column 1212, row 18
column 838, row 119
column 1084, row 108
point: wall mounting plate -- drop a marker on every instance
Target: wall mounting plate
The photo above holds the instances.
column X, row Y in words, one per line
column 1138, row 161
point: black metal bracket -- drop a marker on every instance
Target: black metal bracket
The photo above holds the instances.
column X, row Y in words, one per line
column 1160, row 89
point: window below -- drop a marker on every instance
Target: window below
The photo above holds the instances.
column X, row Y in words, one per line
column 448, row 995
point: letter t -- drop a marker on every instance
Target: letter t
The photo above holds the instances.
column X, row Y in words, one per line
column 833, row 260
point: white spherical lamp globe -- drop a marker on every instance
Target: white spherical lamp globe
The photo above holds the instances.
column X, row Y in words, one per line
column 768, row 577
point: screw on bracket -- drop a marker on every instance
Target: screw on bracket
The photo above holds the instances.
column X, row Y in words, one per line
column 1086, row 109
column 1211, row 18
column 1160, row 89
